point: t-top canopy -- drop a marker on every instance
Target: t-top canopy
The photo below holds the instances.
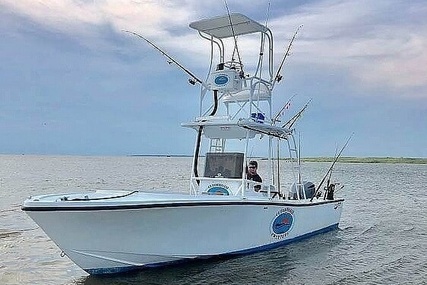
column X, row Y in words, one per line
column 220, row 27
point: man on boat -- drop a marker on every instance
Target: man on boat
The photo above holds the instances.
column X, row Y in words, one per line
column 253, row 175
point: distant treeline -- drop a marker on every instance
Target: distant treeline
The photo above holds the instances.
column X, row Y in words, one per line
column 368, row 159
column 344, row 159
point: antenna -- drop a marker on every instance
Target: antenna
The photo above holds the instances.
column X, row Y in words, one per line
column 261, row 51
column 268, row 14
column 193, row 80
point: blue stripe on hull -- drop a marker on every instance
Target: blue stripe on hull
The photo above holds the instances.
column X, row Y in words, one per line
column 115, row 270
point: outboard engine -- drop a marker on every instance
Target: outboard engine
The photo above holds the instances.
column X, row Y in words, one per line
column 308, row 188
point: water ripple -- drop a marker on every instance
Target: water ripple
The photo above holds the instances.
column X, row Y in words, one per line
column 382, row 237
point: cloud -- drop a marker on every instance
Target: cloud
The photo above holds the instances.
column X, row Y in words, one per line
column 380, row 43
column 68, row 14
column 75, row 17
column 404, row 67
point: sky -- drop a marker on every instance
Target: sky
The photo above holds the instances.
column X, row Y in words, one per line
column 73, row 83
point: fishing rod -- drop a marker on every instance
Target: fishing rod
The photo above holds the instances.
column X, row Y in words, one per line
column 193, row 79
column 278, row 77
column 236, row 47
column 328, row 182
column 292, row 120
column 331, row 167
column 287, row 104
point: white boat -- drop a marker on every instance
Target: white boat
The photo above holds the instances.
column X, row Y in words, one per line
column 223, row 213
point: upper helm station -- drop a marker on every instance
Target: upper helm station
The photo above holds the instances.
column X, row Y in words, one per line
column 228, row 78
column 239, row 108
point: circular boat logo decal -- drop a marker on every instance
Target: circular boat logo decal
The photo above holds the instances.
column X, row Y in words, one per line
column 221, row 80
column 282, row 223
column 218, row 189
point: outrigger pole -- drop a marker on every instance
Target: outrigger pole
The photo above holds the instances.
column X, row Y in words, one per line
column 193, row 79
column 330, row 168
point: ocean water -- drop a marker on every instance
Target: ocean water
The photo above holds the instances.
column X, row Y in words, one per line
column 382, row 237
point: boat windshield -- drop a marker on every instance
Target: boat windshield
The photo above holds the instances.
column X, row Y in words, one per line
column 225, row 165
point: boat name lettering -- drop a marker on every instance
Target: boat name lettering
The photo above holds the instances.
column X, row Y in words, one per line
column 285, row 210
column 218, row 185
column 337, row 205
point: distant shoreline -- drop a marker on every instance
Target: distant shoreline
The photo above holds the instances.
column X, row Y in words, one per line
column 344, row 159
column 347, row 159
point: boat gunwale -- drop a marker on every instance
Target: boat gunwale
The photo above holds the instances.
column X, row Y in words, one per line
column 177, row 204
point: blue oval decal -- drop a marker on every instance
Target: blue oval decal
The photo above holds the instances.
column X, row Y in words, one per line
column 221, row 79
column 218, row 191
column 282, row 223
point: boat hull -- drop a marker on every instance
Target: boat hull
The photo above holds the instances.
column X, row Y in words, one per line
column 111, row 238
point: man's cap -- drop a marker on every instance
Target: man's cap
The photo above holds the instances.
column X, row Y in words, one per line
column 254, row 163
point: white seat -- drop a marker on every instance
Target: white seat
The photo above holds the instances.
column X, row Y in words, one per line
column 261, row 93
